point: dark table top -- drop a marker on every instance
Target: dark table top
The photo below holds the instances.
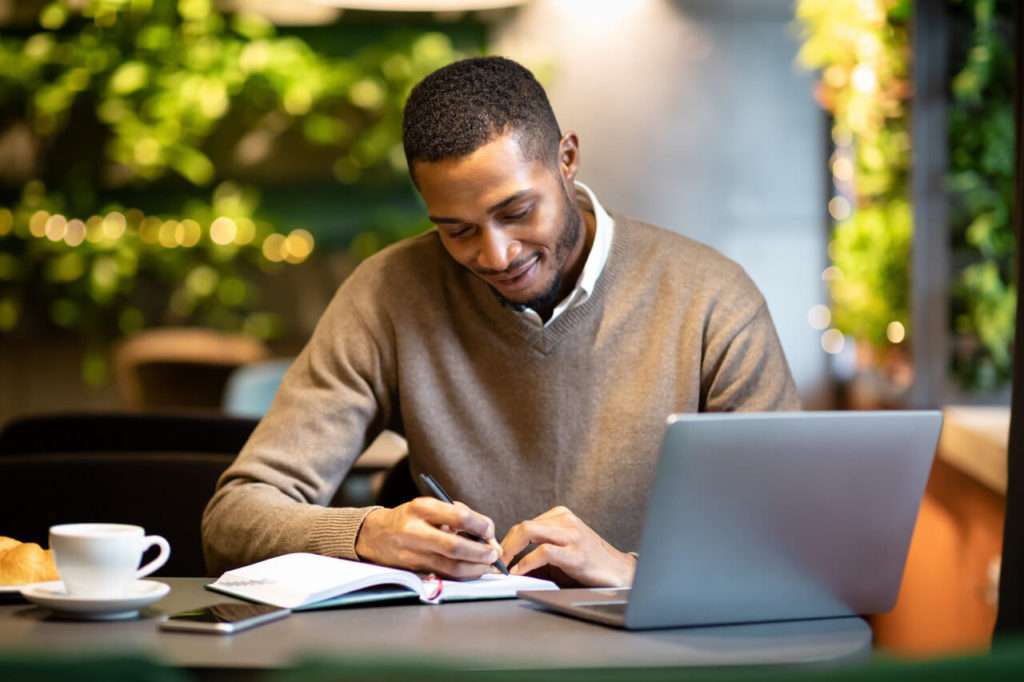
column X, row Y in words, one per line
column 505, row 634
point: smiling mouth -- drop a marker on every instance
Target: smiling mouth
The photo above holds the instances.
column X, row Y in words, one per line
column 517, row 279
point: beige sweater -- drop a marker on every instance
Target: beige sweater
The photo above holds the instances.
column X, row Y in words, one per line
column 510, row 418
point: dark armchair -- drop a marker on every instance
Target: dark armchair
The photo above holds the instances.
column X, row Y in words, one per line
column 154, row 470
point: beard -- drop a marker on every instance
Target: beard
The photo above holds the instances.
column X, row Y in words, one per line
column 544, row 302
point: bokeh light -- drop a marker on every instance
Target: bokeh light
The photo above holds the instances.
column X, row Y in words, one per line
column 55, row 228
column 819, row 316
column 149, row 230
column 187, row 233
column 114, row 225
column 297, row 246
column 6, row 220
column 842, row 169
column 94, row 229
column 167, row 234
column 895, row 332
column 246, row 231
column 864, row 79
column 832, row 341
column 223, row 230
column 273, row 248
column 37, row 224
column 842, row 136
column 839, row 208
column 75, row 233
column 831, row 273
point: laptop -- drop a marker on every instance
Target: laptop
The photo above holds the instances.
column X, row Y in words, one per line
column 757, row 517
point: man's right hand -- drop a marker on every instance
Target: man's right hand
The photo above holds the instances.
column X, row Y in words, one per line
column 420, row 535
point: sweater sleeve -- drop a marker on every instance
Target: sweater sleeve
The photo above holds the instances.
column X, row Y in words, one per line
column 330, row 405
column 743, row 366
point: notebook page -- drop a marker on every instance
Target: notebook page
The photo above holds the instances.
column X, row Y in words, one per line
column 491, row 586
column 294, row 580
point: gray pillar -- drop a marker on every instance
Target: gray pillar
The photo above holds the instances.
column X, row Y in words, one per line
column 930, row 260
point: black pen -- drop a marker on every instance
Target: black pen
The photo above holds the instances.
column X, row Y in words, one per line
column 437, row 491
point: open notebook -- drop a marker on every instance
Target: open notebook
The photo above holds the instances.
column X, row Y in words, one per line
column 310, row 581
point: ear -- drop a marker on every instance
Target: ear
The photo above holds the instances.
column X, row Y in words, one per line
column 568, row 157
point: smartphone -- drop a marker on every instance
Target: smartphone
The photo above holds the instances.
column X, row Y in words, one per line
column 224, row 618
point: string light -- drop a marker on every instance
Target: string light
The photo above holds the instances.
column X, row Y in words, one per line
column 273, row 248
column 246, row 231
column 94, row 229
column 187, row 233
column 297, row 246
column 114, row 225
column 37, row 224
column 75, row 233
column 55, row 227
column 166, row 234
column 223, row 230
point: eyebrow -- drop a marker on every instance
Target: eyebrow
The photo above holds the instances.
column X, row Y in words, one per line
column 492, row 209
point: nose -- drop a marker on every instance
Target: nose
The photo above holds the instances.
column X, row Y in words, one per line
column 497, row 250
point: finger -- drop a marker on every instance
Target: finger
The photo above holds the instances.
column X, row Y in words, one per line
column 475, row 523
column 458, row 570
column 431, row 539
column 428, row 549
column 537, row 531
column 450, row 518
column 492, row 543
column 514, row 542
column 558, row 526
column 418, row 531
column 456, row 516
column 548, row 555
column 446, row 567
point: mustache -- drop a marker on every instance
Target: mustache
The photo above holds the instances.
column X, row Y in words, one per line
column 512, row 267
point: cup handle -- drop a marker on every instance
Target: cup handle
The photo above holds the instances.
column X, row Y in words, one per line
column 160, row 560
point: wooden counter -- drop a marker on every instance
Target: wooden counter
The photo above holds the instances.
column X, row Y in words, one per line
column 948, row 599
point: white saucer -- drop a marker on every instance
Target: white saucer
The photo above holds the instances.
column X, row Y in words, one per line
column 54, row 596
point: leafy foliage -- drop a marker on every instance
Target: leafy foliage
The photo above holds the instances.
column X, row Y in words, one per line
column 862, row 50
column 143, row 119
column 980, row 183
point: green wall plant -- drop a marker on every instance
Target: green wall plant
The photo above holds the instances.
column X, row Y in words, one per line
column 862, row 51
column 146, row 122
column 980, row 183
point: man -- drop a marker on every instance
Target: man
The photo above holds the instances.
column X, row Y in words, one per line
column 529, row 349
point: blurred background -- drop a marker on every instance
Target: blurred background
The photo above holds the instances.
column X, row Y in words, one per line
column 185, row 183
column 222, row 165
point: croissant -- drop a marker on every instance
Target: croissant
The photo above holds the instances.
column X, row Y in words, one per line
column 22, row 563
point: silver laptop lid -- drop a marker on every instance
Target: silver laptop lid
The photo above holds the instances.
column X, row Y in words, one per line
column 772, row 516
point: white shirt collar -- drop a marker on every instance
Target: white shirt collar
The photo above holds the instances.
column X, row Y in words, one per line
column 596, row 259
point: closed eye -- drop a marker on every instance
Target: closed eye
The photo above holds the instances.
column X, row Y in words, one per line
column 461, row 232
column 515, row 218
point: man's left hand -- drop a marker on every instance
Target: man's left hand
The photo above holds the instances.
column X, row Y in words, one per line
column 565, row 542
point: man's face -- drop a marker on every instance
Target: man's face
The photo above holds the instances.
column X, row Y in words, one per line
column 509, row 220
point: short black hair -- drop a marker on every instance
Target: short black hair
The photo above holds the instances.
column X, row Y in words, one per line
column 461, row 107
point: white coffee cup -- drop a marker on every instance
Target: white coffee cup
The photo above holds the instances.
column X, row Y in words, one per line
column 101, row 560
